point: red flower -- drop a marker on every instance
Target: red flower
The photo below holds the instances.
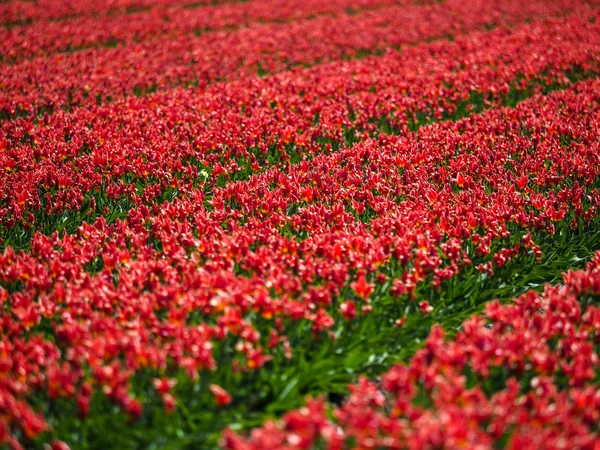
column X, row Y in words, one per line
column 221, row 396
column 348, row 310
column 361, row 287
column 425, row 308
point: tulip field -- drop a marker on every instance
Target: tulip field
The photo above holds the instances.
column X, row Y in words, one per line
column 285, row 225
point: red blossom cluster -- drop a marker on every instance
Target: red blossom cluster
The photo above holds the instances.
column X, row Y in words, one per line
column 97, row 74
column 136, row 150
column 164, row 21
column 191, row 239
column 522, row 376
column 159, row 290
column 23, row 11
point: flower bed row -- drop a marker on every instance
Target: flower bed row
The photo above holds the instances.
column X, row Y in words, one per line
column 39, row 38
column 23, row 12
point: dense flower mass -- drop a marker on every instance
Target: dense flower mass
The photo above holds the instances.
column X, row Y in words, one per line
column 211, row 210
column 134, row 151
column 98, row 74
column 522, row 375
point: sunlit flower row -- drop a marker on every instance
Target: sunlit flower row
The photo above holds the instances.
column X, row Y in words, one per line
column 73, row 34
column 23, row 12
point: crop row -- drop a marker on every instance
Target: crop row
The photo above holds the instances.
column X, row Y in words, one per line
column 521, row 376
column 23, row 12
column 150, row 310
column 18, row 43
column 71, row 167
column 100, row 74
